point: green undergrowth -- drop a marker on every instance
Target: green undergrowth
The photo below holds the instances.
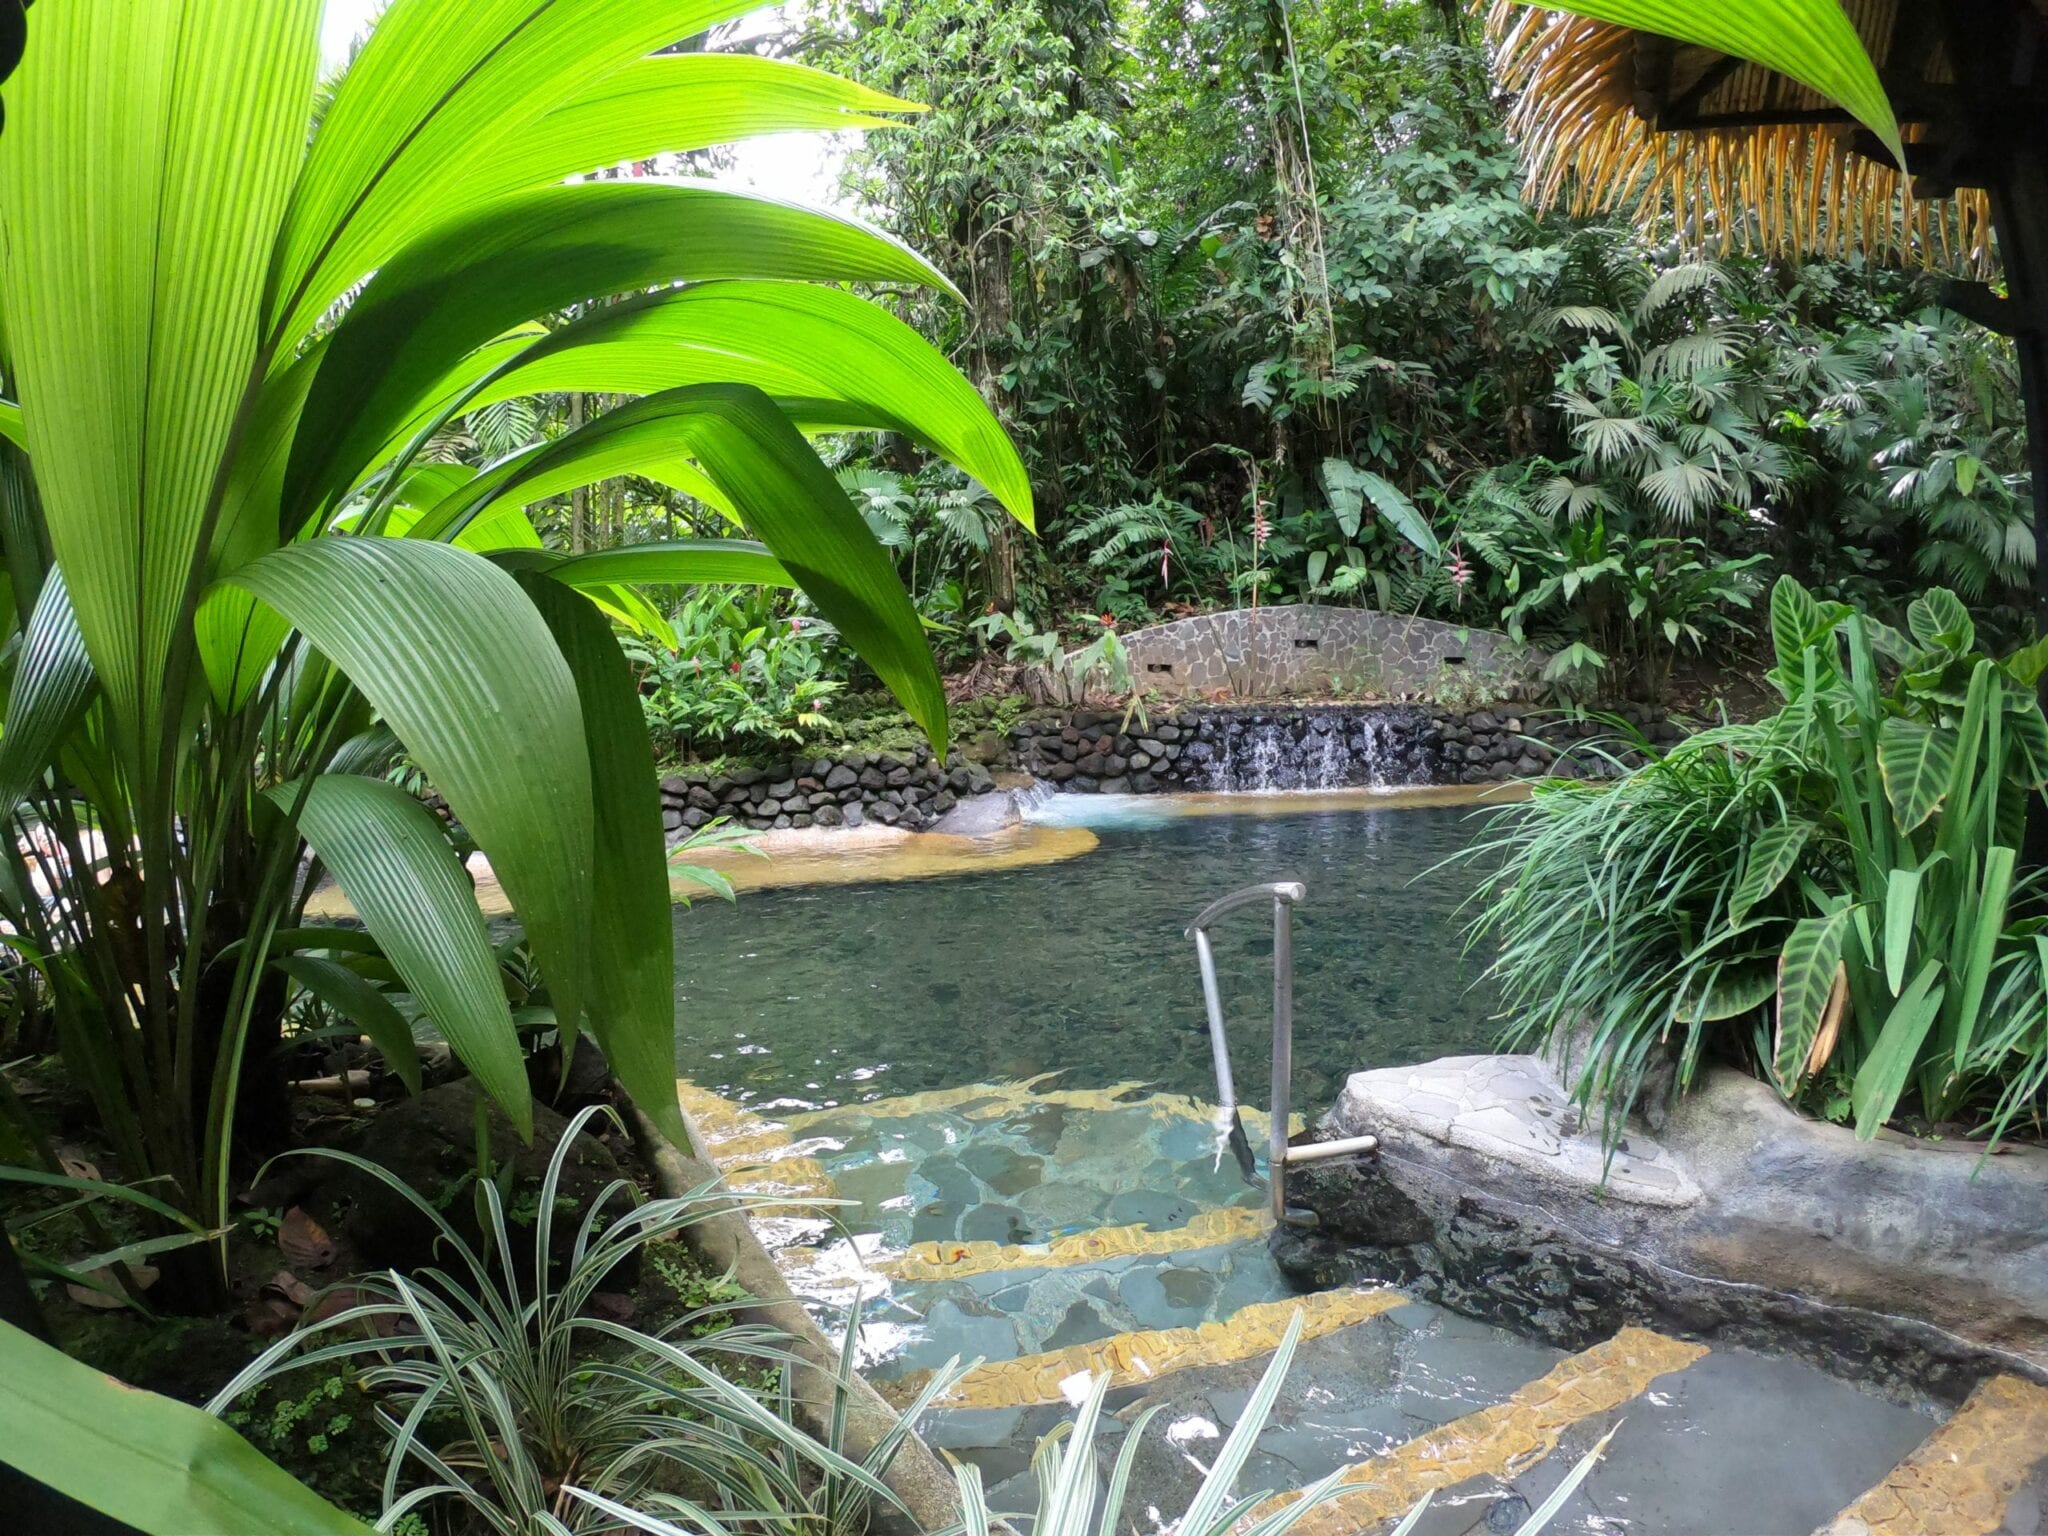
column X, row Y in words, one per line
column 870, row 724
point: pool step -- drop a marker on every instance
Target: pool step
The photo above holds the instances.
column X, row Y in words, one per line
column 1498, row 1440
column 966, row 1181
column 961, row 1261
column 1134, row 1359
column 1966, row 1477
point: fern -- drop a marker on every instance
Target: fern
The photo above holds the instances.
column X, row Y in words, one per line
column 503, row 427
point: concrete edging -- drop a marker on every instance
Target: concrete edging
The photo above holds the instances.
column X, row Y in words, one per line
column 728, row 1243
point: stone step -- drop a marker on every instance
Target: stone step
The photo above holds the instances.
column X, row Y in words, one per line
column 1983, row 1472
column 961, row 1181
column 1135, row 1359
column 1494, row 1441
column 963, row 1261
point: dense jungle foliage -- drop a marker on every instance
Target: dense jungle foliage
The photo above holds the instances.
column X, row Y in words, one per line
column 1256, row 291
column 1230, row 265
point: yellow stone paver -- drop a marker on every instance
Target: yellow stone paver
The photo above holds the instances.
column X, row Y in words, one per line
column 729, row 1129
column 756, row 1155
column 958, row 1260
column 1498, row 1441
column 875, row 854
column 788, row 1177
column 1959, row 1481
column 992, row 1101
column 1134, row 1358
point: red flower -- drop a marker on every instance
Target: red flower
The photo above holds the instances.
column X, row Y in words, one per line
column 735, row 669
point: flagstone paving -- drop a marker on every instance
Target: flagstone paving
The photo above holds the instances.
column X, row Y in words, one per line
column 1043, row 1235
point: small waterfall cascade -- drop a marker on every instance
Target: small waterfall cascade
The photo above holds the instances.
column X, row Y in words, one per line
column 1032, row 798
column 1251, row 751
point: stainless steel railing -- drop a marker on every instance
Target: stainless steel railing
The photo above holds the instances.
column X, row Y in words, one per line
column 1284, row 895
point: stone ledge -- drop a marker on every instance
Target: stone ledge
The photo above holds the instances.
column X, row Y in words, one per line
column 1511, row 1109
column 1913, row 1265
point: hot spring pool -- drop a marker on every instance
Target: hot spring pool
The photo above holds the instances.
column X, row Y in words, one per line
column 846, row 994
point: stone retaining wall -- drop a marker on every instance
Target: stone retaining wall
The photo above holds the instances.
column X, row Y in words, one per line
column 1085, row 751
column 1314, row 747
column 909, row 790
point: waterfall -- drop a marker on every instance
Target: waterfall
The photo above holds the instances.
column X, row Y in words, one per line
column 1034, row 797
column 1318, row 749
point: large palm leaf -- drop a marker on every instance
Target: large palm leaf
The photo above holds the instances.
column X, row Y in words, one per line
column 227, row 345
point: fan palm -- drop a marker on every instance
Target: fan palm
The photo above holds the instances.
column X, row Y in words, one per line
column 226, row 342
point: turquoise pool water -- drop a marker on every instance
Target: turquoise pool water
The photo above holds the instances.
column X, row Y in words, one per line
column 842, row 995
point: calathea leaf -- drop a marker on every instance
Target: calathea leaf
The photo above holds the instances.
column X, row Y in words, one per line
column 1917, row 762
column 1771, row 857
column 1939, row 621
column 1808, row 970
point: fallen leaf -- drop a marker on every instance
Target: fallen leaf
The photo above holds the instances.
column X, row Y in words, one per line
column 303, row 1241
column 77, row 1165
column 612, row 1306
column 142, row 1276
column 288, row 1285
column 270, row 1317
column 336, row 1301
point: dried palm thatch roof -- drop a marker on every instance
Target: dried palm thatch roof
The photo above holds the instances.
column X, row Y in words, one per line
column 1730, row 155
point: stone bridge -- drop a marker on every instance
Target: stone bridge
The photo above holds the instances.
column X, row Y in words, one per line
column 1309, row 648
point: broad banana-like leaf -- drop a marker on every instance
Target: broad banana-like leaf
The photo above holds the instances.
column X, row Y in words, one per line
column 440, row 92
column 632, row 959
column 1977, row 937
column 1901, row 912
column 405, row 883
column 356, row 999
column 1807, row 970
column 148, row 155
column 153, row 1463
column 675, row 562
column 678, row 102
column 790, row 340
column 785, row 496
column 237, row 636
column 1350, row 487
column 525, row 255
column 504, row 526
column 1772, row 855
column 53, row 688
column 1811, row 41
column 1882, row 1076
column 452, row 655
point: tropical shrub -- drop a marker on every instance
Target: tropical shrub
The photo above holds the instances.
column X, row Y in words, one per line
column 739, row 672
column 1834, row 891
column 539, row 1412
column 242, row 591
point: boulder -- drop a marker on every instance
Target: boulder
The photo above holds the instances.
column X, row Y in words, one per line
column 1915, row 1263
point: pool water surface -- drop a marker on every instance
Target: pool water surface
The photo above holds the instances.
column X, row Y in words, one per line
column 799, row 997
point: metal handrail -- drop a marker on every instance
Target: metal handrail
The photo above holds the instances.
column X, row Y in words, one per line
column 1284, row 895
